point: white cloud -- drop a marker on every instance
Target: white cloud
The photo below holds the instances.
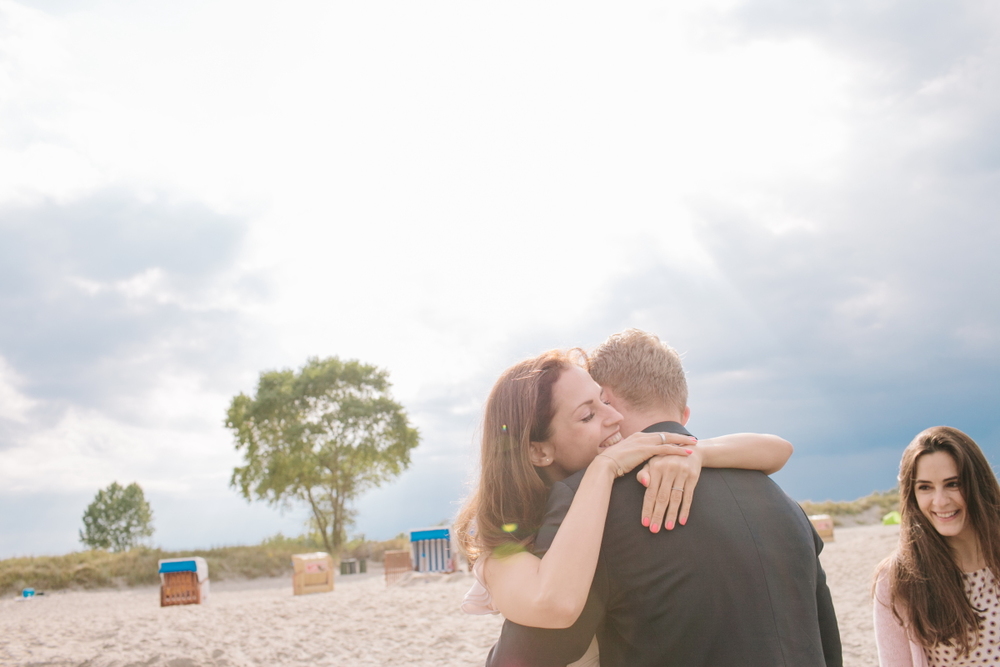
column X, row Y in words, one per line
column 15, row 406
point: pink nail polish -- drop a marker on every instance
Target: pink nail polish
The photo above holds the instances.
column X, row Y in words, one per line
column 645, row 521
column 655, row 528
column 688, row 451
column 645, row 482
column 684, row 521
column 670, row 525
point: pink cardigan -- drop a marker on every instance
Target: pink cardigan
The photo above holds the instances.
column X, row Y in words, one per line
column 894, row 646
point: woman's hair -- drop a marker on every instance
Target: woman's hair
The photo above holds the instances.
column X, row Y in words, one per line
column 507, row 506
column 924, row 579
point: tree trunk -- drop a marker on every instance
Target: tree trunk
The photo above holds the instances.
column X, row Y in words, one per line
column 321, row 522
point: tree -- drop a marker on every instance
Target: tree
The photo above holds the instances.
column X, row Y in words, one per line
column 321, row 436
column 118, row 518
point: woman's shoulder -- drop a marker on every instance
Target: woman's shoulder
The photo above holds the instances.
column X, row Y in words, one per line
column 882, row 579
column 887, row 566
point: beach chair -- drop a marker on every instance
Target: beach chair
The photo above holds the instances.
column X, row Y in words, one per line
column 396, row 564
column 823, row 523
column 431, row 549
column 312, row 573
column 183, row 581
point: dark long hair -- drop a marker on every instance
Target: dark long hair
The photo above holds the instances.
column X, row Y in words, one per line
column 925, row 582
column 507, row 505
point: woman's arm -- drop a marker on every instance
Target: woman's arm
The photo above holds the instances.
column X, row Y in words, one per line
column 750, row 451
column 550, row 592
column 670, row 483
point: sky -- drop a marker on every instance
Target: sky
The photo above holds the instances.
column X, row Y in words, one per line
column 800, row 197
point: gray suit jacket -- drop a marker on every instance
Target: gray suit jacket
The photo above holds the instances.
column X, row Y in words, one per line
column 740, row 584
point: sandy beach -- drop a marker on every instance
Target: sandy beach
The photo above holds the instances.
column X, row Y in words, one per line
column 362, row 622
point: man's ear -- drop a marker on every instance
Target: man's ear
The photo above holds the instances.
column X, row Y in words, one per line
column 541, row 454
column 686, row 417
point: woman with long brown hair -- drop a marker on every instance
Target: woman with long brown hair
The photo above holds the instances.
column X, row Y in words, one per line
column 936, row 597
column 544, row 420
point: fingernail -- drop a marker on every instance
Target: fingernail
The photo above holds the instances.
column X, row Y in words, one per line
column 684, row 521
column 688, row 451
column 670, row 525
column 644, row 481
column 645, row 521
column 655, row 528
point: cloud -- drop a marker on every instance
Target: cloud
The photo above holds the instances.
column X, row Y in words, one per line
column 103, row 296
column 122, row 336
column 897, row 41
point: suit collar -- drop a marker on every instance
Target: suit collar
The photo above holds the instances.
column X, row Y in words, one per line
column 667, row 427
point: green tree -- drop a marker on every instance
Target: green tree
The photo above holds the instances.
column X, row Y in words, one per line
column 321, row 436
column 118, row 518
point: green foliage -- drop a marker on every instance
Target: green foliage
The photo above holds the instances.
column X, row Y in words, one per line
column 321, row 436
column 882, row 501
column 118, row 518
column 359, row 547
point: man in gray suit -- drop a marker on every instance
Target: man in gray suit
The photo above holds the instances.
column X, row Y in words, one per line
column 739, row 585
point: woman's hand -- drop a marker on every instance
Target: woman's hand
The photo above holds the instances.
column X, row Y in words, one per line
column 669, row 482
column 640, row 447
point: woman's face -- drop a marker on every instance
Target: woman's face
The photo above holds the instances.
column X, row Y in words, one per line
column 939, row 495
column 582, row 423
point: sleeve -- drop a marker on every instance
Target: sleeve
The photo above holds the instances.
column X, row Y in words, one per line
column 891, row 640
column 522, row 646
column 560, row 498
column 478, row 600
column 829, row 631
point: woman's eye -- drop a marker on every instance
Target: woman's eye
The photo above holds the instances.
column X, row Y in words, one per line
column 606, row 402
column 588, row 417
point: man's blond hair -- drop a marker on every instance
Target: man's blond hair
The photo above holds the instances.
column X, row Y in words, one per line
column 641, row 369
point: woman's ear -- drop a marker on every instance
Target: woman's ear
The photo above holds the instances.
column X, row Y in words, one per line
column 540, row 454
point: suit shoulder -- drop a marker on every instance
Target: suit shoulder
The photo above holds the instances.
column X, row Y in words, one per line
column 573, row 481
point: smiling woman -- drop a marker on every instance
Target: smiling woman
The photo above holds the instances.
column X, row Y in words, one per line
column 936, row 593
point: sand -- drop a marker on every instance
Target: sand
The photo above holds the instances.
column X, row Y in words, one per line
column 361, row 623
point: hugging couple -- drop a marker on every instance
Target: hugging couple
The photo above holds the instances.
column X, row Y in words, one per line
column 591, row 566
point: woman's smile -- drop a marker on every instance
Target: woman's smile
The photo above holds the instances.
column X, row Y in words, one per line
column 612, row 440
